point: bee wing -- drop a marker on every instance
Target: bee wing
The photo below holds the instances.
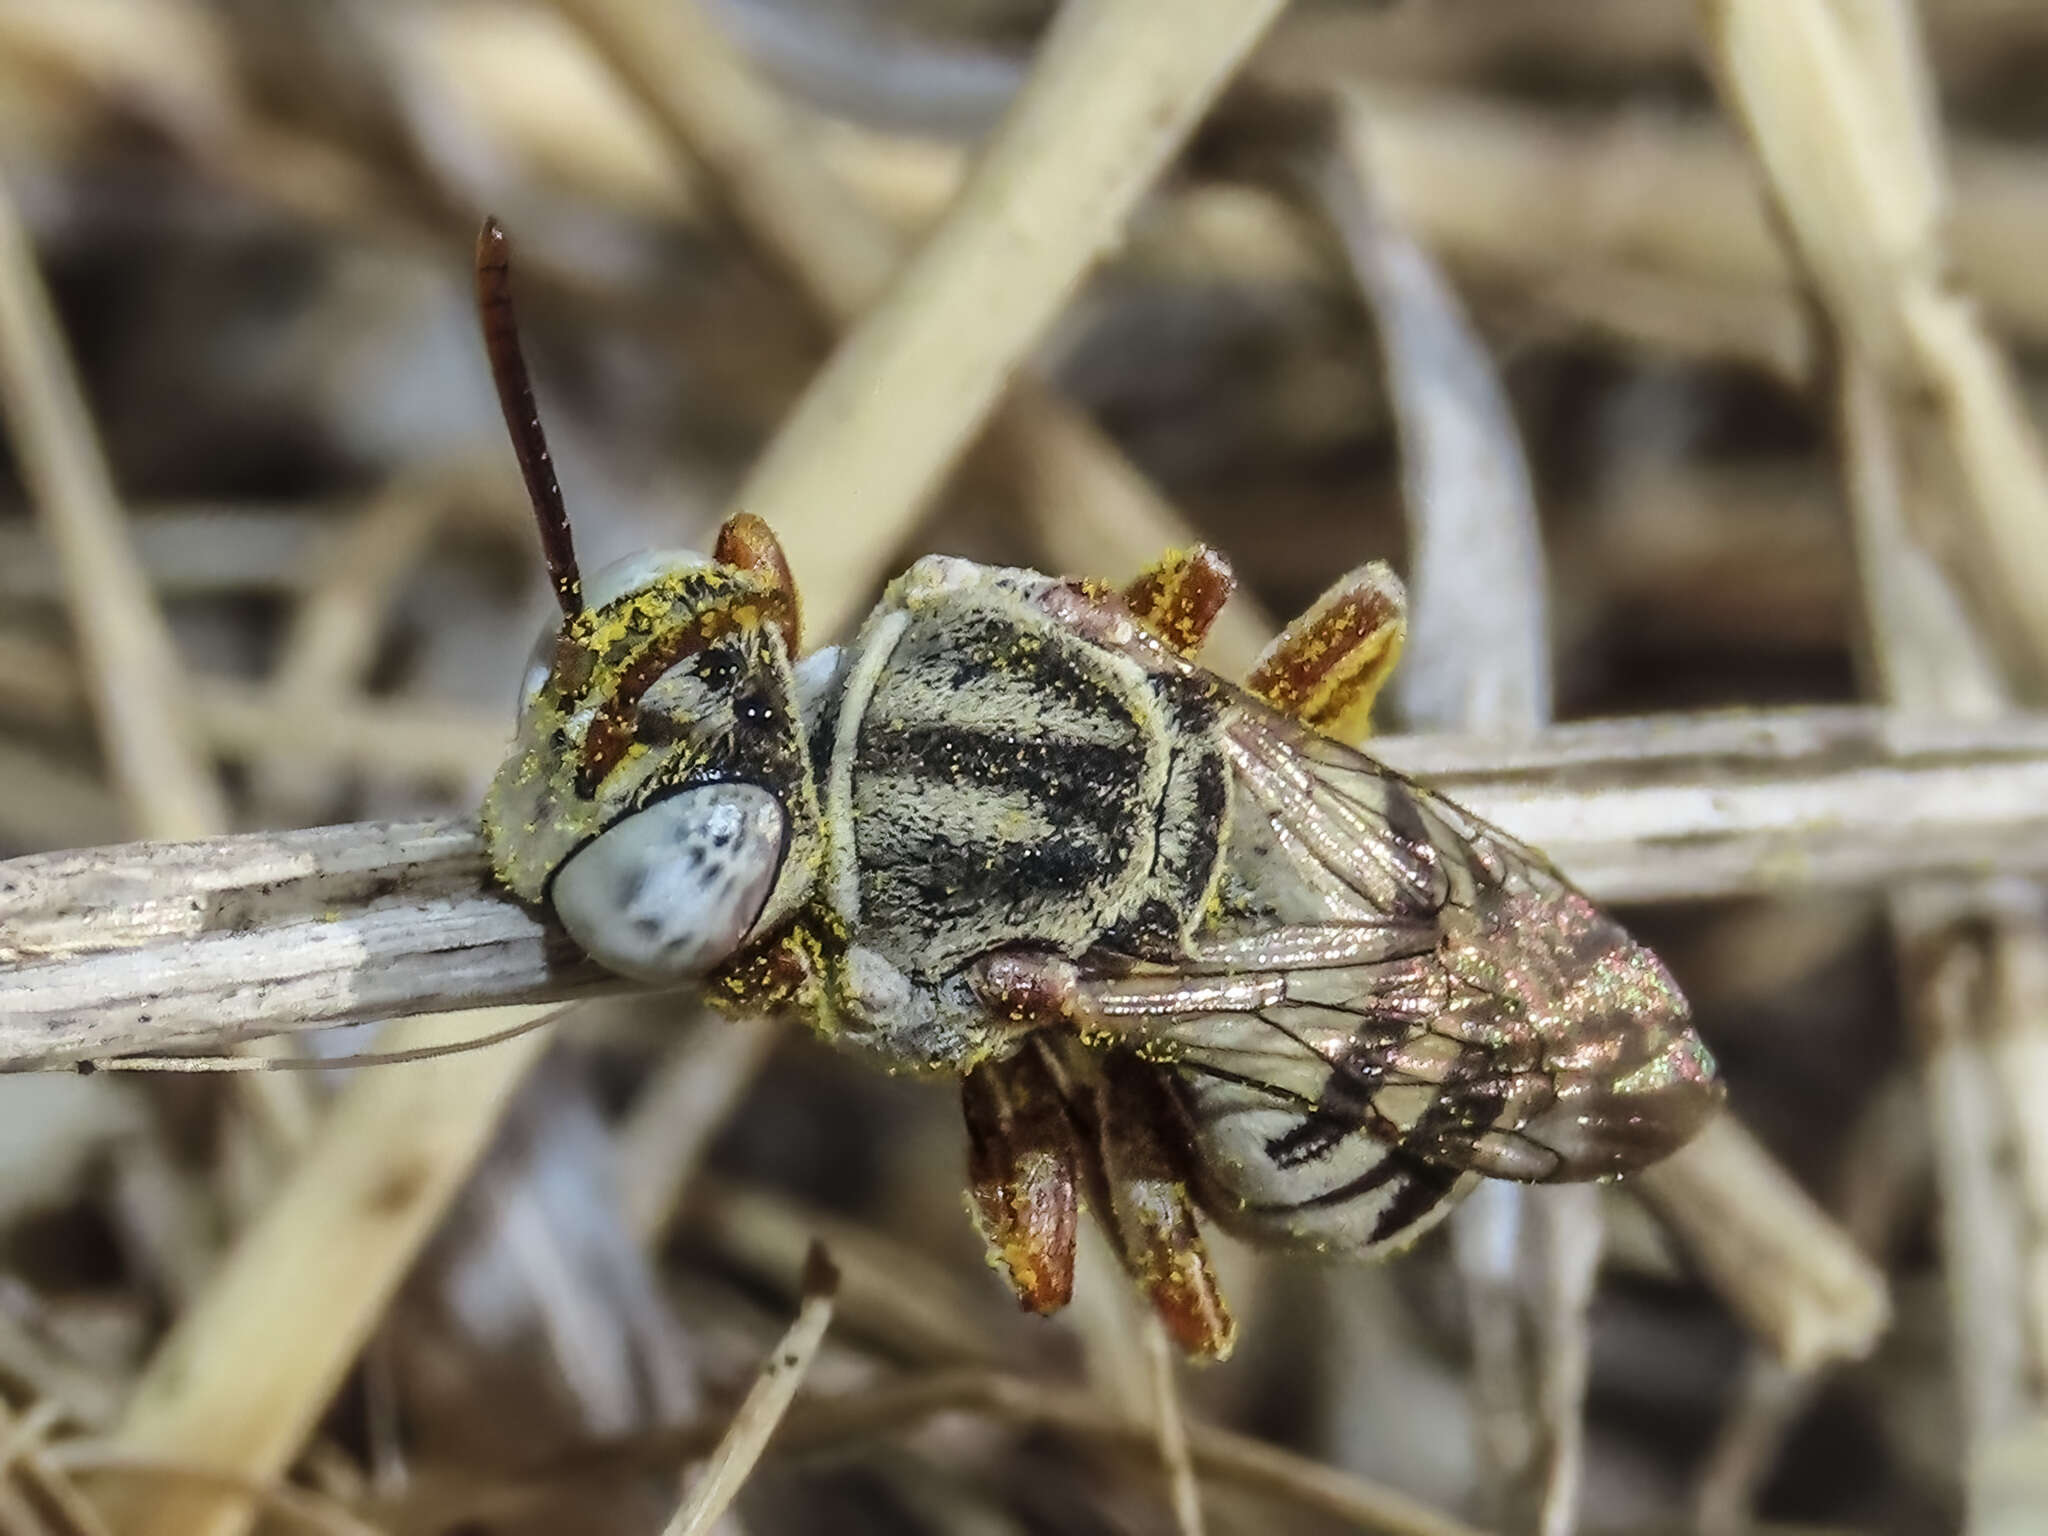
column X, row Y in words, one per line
column 1406, row 996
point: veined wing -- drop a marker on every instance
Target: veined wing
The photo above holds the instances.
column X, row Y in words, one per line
column 1398, row 996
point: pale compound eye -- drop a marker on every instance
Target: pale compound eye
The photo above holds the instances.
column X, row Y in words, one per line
column 669, row 892
column 637, row 571
column 539, row 661
column 619, row 579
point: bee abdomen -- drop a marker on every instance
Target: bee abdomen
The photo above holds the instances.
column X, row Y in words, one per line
column 1191, row 820
column 1278, row 1175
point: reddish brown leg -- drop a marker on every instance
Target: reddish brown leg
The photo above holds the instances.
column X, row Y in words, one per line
column 779, row 977
column 747, row 542
column 1328, row 666
column 1023, row 1163
column 1150, row 1219
column 1026, row 986
column 1134, row 1161
column 1179, row 596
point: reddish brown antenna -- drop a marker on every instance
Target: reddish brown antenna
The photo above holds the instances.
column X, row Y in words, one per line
column 522, row 417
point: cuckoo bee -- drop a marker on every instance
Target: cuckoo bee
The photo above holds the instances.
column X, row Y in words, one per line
column 1187, row 952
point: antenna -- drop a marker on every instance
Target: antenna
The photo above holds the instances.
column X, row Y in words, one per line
column 522, row 417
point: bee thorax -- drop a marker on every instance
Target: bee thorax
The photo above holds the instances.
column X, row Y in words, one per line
column 919, row 1025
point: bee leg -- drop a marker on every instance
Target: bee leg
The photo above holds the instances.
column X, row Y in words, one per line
column 781, row 977
column 749, row 543
column 1136, row 1162
column 1023, row 1163
column 1033, row 988
column 1327, row 666
column 1149, row 1215
column 1179, row 595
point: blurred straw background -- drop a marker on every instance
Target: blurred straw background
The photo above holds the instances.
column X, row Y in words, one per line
column 1686, row 355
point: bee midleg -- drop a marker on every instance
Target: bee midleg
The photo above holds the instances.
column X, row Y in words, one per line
column 1036, row 989
column 1178, row 596
column 1143, row 1176
column 1024, row 1164
column 1328, row 665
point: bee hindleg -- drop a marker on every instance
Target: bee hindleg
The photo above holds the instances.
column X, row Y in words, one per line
column 1136, row 1163
column 1327, row 666
column 1150, row 1216
column 1024, row 1158
column 1179, row 595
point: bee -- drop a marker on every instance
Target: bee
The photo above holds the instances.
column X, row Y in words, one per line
column 1188, row 953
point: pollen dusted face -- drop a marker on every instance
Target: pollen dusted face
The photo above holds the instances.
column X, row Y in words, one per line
column 659, row 794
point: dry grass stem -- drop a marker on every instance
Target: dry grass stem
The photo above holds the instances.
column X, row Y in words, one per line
column 155, row 945
column 1492, row 184
column 762, row 1410
column 700, row 1083
column 334, row 636
column 1117, row 86
column 1077, row 489
column 186, row 550
column 297, row 1509
column 1478, row 651
column 140, row 702
column 1770, row 1399
column 1477, row 659
column 1851, row 166
column 1850, row 80
column 1740, row 302
column 888, row 1293
column 1888, row 1158
column 1526, row 194
column 78, row 1395
column 408, row 739
column 760, row 153
column 1169, row 1420
column 1555, row 203
column 1979, row 1007
column 823, row 1424
column 1932, row 660
column 45, row 1488
column 247, row 1370
column 1784, row 1266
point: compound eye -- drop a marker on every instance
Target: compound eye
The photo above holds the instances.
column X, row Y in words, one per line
column 671, row 891
column 539, row 662
column 637, row 571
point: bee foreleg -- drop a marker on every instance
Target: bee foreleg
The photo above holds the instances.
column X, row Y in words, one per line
column 1024, row 1157
column 1143, row 1145
column 747, row 542
column 1327, row 666
column 1179, row 595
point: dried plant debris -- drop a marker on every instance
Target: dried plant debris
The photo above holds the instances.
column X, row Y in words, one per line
column 1684, row 357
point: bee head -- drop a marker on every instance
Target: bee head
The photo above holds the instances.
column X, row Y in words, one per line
column 659, row 795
